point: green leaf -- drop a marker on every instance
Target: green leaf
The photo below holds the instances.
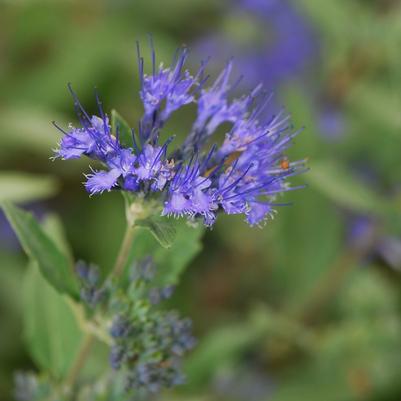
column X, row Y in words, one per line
column 173, row 261
column 120, row 126
column 334, row 181
column 50, row 329
column 54, row 228
column 54, row 265
column 25, row 187
column 163, row 229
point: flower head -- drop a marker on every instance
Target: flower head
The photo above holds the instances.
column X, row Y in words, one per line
column 242, row 176
column 148, row 343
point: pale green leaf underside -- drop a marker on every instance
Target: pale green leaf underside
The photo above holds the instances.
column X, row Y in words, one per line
column 50, row 329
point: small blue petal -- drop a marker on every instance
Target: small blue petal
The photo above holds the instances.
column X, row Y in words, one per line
column 101, row 181
column 75, row 143
column 258, row 212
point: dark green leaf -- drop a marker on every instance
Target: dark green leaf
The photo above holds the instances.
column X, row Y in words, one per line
column 50, row 329
column 121, row 127
column 53, row 264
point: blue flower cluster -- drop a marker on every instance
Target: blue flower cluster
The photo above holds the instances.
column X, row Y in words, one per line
column 92, row 293
column 242, row 176
column 29, row 386
column 148, row 343
column 25, row 387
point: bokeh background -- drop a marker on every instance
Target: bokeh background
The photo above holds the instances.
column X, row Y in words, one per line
column 305, row 308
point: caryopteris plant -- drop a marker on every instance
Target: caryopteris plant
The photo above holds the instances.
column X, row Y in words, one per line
column 194, row 180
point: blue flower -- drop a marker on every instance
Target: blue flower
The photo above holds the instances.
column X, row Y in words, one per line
column 215, row 108
column 156, row 295
column 152, row 166
column 116, row 356
column 120, row 163
column 171, row 87
column 120, row 327
column 153, row 376
column 93, row 139
column 212, row 104
column 26, row 386
column 190, row 194
column 85, row 141
column 242, row 176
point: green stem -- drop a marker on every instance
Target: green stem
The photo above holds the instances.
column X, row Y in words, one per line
column 80, row 361
column 124, row 251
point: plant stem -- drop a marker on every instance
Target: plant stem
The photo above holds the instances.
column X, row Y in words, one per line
column 89, row 338
column 124, row 251
column 79, row 362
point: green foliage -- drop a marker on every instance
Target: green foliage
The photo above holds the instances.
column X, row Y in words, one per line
column 54, row 228
column 53, row 264
column 145, row 213
column 50, row 329
column 352, row 352
column 171, row 262
column 52, row 321
column 163, row 229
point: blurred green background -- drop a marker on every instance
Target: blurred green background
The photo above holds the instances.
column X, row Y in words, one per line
column 306, row 308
